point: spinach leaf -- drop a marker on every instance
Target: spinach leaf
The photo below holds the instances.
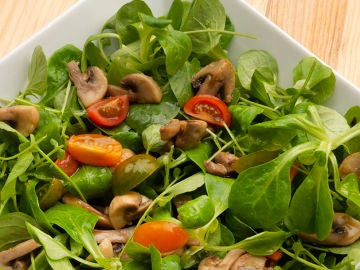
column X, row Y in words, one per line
column 200, row 153
column 37, row 74
column 13, row 229
column 242, row 116
column 202, row 17
column 311, row 208
column 250, row 61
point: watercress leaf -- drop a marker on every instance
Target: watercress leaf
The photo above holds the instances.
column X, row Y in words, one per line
column 311, row 208
column 316, row 81
column 13, row 229
column 264, row 243
column 10, row 135
column 263, row 85
column 180, row 82
column 204, row 15
column 242, row 116
column 37, row 73
column 127, row 15
column 226, row 39
column 138, row 252
column 151, row 138
column 177, row 48
column 251, row 60
column 200, row 153
column 175, row 14
column 94, row 182
column 78, row 223
column 153, row 22
column 349, row 188
column 352, row 115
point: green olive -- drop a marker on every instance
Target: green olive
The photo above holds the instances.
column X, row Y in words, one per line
column 50, row 193
column 132, row 172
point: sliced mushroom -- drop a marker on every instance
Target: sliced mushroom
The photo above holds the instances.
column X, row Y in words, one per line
column 115, row 236
column 124, row 209
column 23, row 118
column 139, row 87
column 217, row 79
column 22, row 249
column 351, row 164
column 190, row 134
column 345, row 231
column 91, row 85
column 103, row 221
column 222, row 164
column 170, row 130
column 236, row 259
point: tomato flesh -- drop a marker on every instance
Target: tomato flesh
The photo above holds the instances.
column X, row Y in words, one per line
column 208, row 108
column 110, row 111
column 165, row 236
column 95, row 149
column 69, row 165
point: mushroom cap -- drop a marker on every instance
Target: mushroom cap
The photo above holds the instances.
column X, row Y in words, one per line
column 139, row 87
column 217, row 79
column 190, row 134
column 91, row 85
column 125, row 208
column 351, row 164
column 25, row 118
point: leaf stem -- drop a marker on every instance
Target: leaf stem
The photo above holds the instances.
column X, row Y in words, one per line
column 303, row 261
column 209, row 30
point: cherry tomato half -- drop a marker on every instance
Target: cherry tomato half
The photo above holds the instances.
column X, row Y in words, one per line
column 95, row 149
column 69, row 165
column 110, row 111
column 208, row 108
column 165, row 236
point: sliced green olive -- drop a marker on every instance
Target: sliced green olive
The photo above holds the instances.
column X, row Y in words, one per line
column 132, row 172
column 253, row 159
column 50, row 193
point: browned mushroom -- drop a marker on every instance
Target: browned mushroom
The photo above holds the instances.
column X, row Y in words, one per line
column 190, row 134
column 115, row 236
column 139, row 87
column 170, row 130
column 222, row 164
column 22, row 249
column 23, row 118
column 345, row 231
column 236, row 259
column 217, row 79
column 91, row 85
column 124, row 209
column 351, row 164
column 103, row 221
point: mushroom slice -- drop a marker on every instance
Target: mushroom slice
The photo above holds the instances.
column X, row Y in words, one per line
column 170, row 130
column 217, row 79
column 22, row 249
column 115, row 236
column 222, row 164
column 91, row 85
column 248, row 261
column 214, row 262
column 103, row 221
column 190, row 134
column 125, row 208
column 351, row 164
column 139, row 87
column 345, row 231
column 24, row 118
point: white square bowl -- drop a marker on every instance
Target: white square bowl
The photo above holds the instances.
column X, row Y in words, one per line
column 74, row 26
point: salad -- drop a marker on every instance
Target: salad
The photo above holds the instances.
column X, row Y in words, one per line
column 148, row 148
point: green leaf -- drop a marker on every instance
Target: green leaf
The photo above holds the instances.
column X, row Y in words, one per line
column 242, row 116
column 252, row 60
column 37, row 74
column 349, row 188
column 205, row 15
column 311, row 208
column 177, row 47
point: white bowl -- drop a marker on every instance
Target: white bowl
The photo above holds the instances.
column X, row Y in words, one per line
column 74, row 27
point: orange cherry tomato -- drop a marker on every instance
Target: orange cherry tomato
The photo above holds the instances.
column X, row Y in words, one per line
column 110, row 111
column 69, row 165
column 276, row 256
column 165, row 236
column 95, row 149
column 208, row 108
column 294, row 171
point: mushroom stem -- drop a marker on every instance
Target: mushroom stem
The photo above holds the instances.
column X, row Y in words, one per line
column 103, row 221
column 25, row 118
column 6, row 256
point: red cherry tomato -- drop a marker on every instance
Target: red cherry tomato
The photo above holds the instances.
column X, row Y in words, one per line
column 109, row 112
column 165, row 236
column 69, row 165
column 276, row 256
column 208, row 108
column 95, row 149
column 294, row 171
